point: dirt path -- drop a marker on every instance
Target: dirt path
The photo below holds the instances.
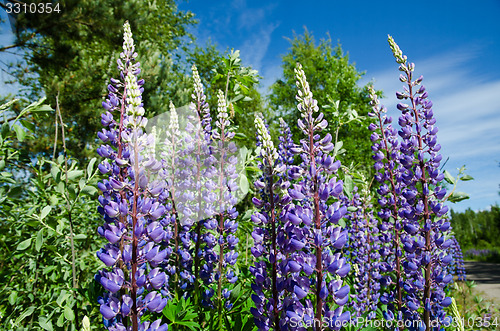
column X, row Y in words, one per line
column 486, row 276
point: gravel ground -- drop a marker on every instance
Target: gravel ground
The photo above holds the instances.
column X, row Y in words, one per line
column 486, row 276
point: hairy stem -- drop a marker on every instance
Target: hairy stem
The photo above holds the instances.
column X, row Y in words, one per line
column 317, row 223
column 395, row 216
column 69, row 210
column 273, row 243
column 221, row 229
column 426, row 216
column 134, row 312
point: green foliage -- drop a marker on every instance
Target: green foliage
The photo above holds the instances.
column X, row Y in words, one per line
column 36, row 267
column 181, row 315
column 475, row 312
column 226, row 72
column 456, row 196
column 333, row 81
column 73, row 53
column 479, row 229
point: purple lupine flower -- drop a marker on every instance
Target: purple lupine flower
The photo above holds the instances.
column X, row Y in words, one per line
column 457, row 264
column 423, row 238
column 176, row 159
column 201, row 183
column 128, row 207
column 220, row 254
column 315, row 240
column 387, row 156
column 269, row 248
column 364, row 253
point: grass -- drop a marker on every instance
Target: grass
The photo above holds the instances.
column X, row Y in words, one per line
column 476, row 312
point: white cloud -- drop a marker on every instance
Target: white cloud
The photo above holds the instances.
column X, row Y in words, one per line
column 256, row 45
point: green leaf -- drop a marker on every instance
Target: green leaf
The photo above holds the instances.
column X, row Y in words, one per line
column 348, row 186
column 62, row 297
column 243, row 151
column 352, row 208
column 13, row 297
column 342, row 223
column 337, row 147
column 8, row 104
column 24, row 244
column 448, row 177
column 25, row 314
column 244, row 185
column 54, row 200
column 39, row 240
column 30, row 126
column 74, row 174
column 90, row 190
column 54, row 171
column 458, row 196
column 61, row 187
column 90, row 167
column 60, row 321
column 45, row 323
column 45, row 211
column 20, row 133
column 190, row 324
column 466, row 178
column 68, row 313
column 236, row 98
column 80, row 236
column 168, row 312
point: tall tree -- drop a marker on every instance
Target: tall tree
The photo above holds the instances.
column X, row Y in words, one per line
column 332, row 79
column 225, row 71
column 71, row 53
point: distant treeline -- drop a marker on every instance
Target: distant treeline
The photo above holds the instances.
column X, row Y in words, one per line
column 477, row 229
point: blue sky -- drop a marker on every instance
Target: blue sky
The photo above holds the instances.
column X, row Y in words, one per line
column 454, row 44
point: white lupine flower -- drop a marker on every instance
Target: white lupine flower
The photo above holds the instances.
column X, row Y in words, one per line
column 198, row 86
column 307, row 105
column 174, row 120
column 268, row 149
column 128, row 41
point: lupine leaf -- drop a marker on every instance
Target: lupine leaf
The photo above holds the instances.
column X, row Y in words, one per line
column 20, row 133
column 90, row 190
column 244, row 186
column 90, row 167
column 25, row 314
column 458, row 196
column 466, row 178
column 54, row 171
column 69, row 313
column 448, row 177
column 39, row 240
column 24, row 245
column 13, row 297
column 60, row 321
column 74, row 174
column 45, row 324
column 45, row 211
